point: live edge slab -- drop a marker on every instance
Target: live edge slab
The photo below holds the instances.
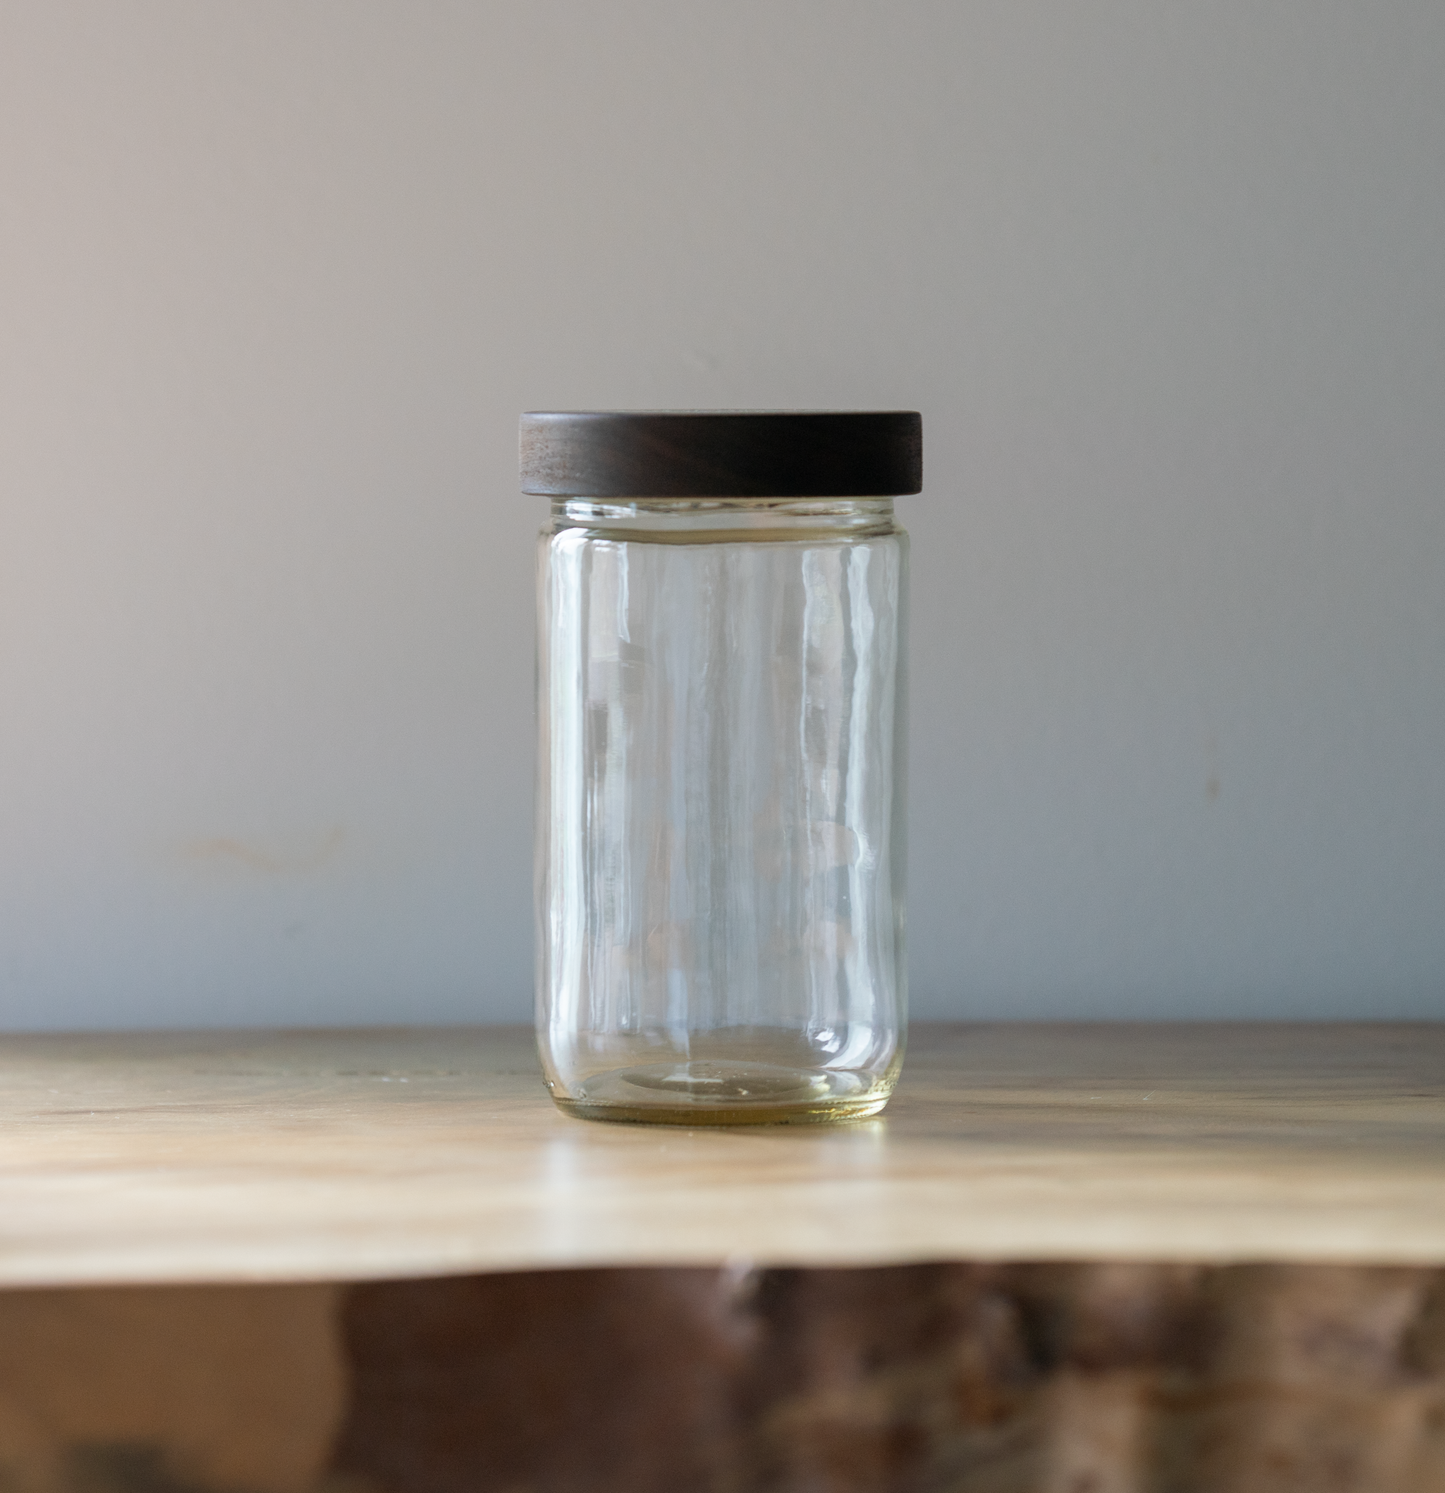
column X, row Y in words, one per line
column 1071, row 1258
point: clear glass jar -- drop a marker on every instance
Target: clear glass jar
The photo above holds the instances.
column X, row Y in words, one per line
column 720, row 812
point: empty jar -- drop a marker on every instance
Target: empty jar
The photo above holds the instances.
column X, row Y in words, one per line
column 720, row 806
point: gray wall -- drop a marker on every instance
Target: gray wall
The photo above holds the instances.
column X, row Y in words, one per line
column 1167, row 281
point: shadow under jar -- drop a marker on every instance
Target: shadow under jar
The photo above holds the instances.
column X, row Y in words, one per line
column 720, row 806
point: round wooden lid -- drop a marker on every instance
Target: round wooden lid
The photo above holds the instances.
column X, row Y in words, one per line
column 722, row 453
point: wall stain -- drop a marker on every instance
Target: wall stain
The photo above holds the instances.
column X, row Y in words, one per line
column 269, row 860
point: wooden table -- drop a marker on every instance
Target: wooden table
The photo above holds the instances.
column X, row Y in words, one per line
column 1063, row 1254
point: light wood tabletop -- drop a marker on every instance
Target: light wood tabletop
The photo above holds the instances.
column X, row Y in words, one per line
column 262, row 1156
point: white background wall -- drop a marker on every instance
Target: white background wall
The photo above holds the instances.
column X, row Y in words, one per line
column 1167, row 281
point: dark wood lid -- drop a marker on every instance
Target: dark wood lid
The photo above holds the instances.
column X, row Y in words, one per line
column 722, row 453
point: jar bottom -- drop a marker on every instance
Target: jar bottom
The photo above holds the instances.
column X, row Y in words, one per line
column 717, row 1091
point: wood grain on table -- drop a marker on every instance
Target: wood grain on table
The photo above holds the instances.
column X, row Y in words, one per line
column 229, row 1157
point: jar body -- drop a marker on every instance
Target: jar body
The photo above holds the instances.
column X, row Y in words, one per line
column 720, row 811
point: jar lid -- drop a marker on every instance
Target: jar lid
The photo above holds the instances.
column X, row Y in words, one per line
column 722, row 453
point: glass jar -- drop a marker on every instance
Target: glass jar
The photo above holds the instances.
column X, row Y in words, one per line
column 720, row 805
